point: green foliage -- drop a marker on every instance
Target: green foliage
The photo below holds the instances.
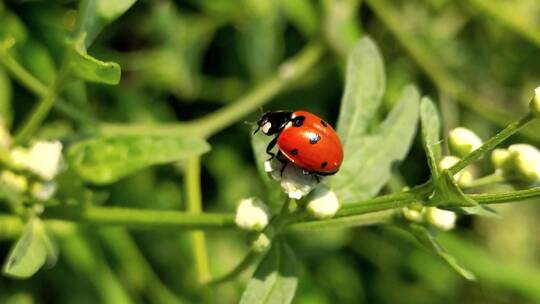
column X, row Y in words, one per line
column 380, row 149
column 30, row 252
column 275, row 279
column 90, row 69
column 107, row 159
column 199, row 68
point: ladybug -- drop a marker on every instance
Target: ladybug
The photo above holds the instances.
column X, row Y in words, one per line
column 304, row 139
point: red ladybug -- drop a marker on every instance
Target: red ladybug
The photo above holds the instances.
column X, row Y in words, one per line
column 304, row 139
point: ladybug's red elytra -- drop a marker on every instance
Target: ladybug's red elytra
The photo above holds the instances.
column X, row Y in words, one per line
column 303, row 139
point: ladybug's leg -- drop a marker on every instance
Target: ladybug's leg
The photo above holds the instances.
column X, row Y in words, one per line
column 269, row 148
column 283, row 161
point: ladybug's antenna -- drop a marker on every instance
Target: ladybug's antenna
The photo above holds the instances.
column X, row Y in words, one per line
column 252, row 123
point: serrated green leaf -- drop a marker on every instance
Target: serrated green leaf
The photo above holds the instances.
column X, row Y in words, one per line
column 106, row 159
column 370, row 159
column 364, row 89
column 426, row 238
column 6, row 113
column 90, row 69
column 431, row 130
column 28, row 254
column 275, row 279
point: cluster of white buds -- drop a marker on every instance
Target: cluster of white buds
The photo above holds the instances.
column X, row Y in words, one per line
column 519, row 161
column 436, row 217
column 42, row 158
column 293, row 180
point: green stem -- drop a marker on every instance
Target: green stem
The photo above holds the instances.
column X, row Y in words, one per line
column 341, row 222
column 491, row 143
column 509, row 197
column 289, row 72
column 140, row 218
column 22, row 75
column 192, row 185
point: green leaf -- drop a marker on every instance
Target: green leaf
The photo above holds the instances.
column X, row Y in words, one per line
column 431, row 130
column 29, row 252
column 97, row 14
column 90, row 69
column 364, row 89
column 6, row 113
column 106, row 159
column 427, row 238
column 275, row 279
column 370, row 159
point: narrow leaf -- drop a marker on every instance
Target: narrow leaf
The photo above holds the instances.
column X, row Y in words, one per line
column 275, row 279
column 426, row 238
column 364, row 88
column 370, row 159
column 90, row 69
column 431, row 129
column 28, row 254
column 106, row 159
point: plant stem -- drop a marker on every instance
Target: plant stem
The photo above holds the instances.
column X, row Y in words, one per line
column 491, row 143
column 288, row 73
column 192, row 186
column 499, row 198
column 140, row 218
column 341, row 222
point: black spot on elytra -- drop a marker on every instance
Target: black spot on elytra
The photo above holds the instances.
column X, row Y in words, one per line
column 324, row 123
column 314, row 138
column 294, row 151
column 298, row 121
column 324, row 164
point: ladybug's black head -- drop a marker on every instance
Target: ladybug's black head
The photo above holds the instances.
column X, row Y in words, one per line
column 273, row 122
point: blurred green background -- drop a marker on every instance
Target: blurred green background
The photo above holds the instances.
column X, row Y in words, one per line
column 183, row 59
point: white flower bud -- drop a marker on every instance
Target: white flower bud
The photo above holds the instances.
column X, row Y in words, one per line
column 14, row 181
column 43, row 191
column 292, row 179
column 324, row 203
column 252, row 214
column 499, row 158
column 261, row 243
column 463, row 177
column 413, row 214
column 463, row 141
column 44, row 158
column 534, row 105
column 440, row 218
column 524, row 162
